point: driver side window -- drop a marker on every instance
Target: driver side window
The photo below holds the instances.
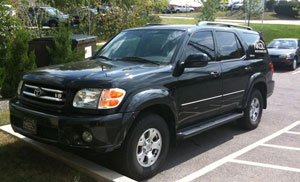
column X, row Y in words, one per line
column 201, row 42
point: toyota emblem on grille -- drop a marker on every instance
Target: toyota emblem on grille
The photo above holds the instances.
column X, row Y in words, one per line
column 37, row 92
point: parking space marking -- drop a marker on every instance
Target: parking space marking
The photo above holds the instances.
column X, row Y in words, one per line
column 234, row 155
column 296, row 72
column 293, row 132
column 280, row 147
column 265, row 165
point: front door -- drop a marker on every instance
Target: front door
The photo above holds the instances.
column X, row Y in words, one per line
column 199, row 89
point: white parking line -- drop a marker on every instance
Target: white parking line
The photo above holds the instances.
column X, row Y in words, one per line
column 280, row 147
column 232, row 156
column 296, row 72
column 292, row 132
column 265, row 165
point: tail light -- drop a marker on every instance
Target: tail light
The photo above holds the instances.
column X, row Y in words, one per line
column 272, row 67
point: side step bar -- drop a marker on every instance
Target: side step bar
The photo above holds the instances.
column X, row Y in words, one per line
column 199, row 128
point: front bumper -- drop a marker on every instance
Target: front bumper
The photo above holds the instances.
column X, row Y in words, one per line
column 282, row 62
column 108, row 131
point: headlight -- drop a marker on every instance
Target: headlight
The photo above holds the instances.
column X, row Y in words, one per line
column 98, row 98
column 286, row 56
column 20, row 87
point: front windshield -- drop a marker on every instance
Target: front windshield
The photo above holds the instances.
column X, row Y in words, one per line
column 53, row 11
column 283, row 44
column 157, row 46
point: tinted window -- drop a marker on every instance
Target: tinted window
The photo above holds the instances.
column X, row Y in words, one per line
column 201, row 42
column 251, row 38
column 229, row 47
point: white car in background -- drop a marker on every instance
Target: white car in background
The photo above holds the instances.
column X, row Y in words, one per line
column 237, row 6
column 10, row 10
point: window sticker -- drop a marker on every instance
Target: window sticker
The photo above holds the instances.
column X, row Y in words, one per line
column 260, row 47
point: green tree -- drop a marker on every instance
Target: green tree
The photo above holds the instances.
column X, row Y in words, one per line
column 18, row 62
column 62, row 51
column 208, row 10
column 252, row 8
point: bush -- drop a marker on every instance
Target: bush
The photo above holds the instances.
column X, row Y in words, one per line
column 270, row 5
column 18, row 62
column 287, row 8
column 62, row 51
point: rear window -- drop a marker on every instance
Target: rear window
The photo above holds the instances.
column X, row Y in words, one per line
column 257, row 47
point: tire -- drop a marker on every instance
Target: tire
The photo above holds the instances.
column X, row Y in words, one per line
column 53, row 24
column 294, row 65
column 133, row 145
column 253, row 111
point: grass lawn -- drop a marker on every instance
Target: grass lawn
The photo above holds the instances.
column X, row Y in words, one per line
column 178, row 21
column 21, row 162
column 234, row 15
column 270, row 31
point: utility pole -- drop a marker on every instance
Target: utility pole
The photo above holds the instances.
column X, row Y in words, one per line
column 263, row 16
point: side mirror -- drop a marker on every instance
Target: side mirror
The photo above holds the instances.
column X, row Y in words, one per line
column 196, row 60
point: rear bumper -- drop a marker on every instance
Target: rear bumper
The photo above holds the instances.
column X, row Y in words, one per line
column 282, row 62
column 108, row 131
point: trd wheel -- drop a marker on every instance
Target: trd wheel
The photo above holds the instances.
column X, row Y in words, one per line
column 294, row 65
column 145, row 147
column 253, row 111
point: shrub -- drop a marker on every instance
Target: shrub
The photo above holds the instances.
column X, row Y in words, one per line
column 62, row 51
column 270, row 5
column 287, row 8
column 18, row 62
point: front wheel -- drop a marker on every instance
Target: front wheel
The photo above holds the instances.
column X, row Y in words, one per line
column 145, row 148
column 253, row 111
column 294, row 65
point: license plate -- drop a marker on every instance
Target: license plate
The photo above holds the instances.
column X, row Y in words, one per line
column 29, row 125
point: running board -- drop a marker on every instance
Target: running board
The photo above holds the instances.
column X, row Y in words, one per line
column 199, row 128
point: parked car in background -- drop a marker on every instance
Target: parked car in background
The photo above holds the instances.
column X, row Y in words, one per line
column 182, row 9
column 10, row 11
column 84, row 13
column 48, row 16
column 166, row 11
column 237, row 6
column 285, row 52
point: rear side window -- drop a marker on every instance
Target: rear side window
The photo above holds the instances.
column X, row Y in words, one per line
column 201, row 42
column 257, row 47
column 229, row 46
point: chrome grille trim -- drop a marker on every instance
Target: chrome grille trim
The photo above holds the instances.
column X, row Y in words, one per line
column 43, row 97
column 46, row 96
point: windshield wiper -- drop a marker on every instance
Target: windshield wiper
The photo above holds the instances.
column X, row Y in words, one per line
column 139, row 59
column 104, row 57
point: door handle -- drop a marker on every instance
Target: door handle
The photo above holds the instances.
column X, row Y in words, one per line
column 215, row 74
column 248, row 68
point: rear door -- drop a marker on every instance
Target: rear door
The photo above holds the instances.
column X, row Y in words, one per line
column 236, row 71
column 199, row 89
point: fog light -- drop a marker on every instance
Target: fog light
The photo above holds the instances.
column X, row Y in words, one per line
column 87, row 136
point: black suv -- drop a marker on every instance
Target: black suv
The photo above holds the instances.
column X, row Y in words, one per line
column 146, row 88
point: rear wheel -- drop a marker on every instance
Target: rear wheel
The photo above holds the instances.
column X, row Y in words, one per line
column 253, row 111
column 145, row 148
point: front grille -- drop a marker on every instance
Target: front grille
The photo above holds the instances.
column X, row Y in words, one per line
column 43, row 95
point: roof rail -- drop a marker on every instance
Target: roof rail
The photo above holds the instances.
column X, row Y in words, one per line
column 207, row 23
column 153, row 24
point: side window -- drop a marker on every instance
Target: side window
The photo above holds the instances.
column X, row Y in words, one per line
column 201, row 42
column 229, row 46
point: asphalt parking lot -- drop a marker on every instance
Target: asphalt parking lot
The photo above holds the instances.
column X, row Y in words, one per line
column 269, row 153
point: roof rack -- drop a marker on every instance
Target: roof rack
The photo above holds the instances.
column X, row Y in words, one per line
column 207, row 23
column 153, row 24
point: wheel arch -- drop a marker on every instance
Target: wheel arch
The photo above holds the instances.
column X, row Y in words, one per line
column 257, row 81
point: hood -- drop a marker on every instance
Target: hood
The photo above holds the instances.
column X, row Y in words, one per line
column 278, row 52
column 90, row 73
